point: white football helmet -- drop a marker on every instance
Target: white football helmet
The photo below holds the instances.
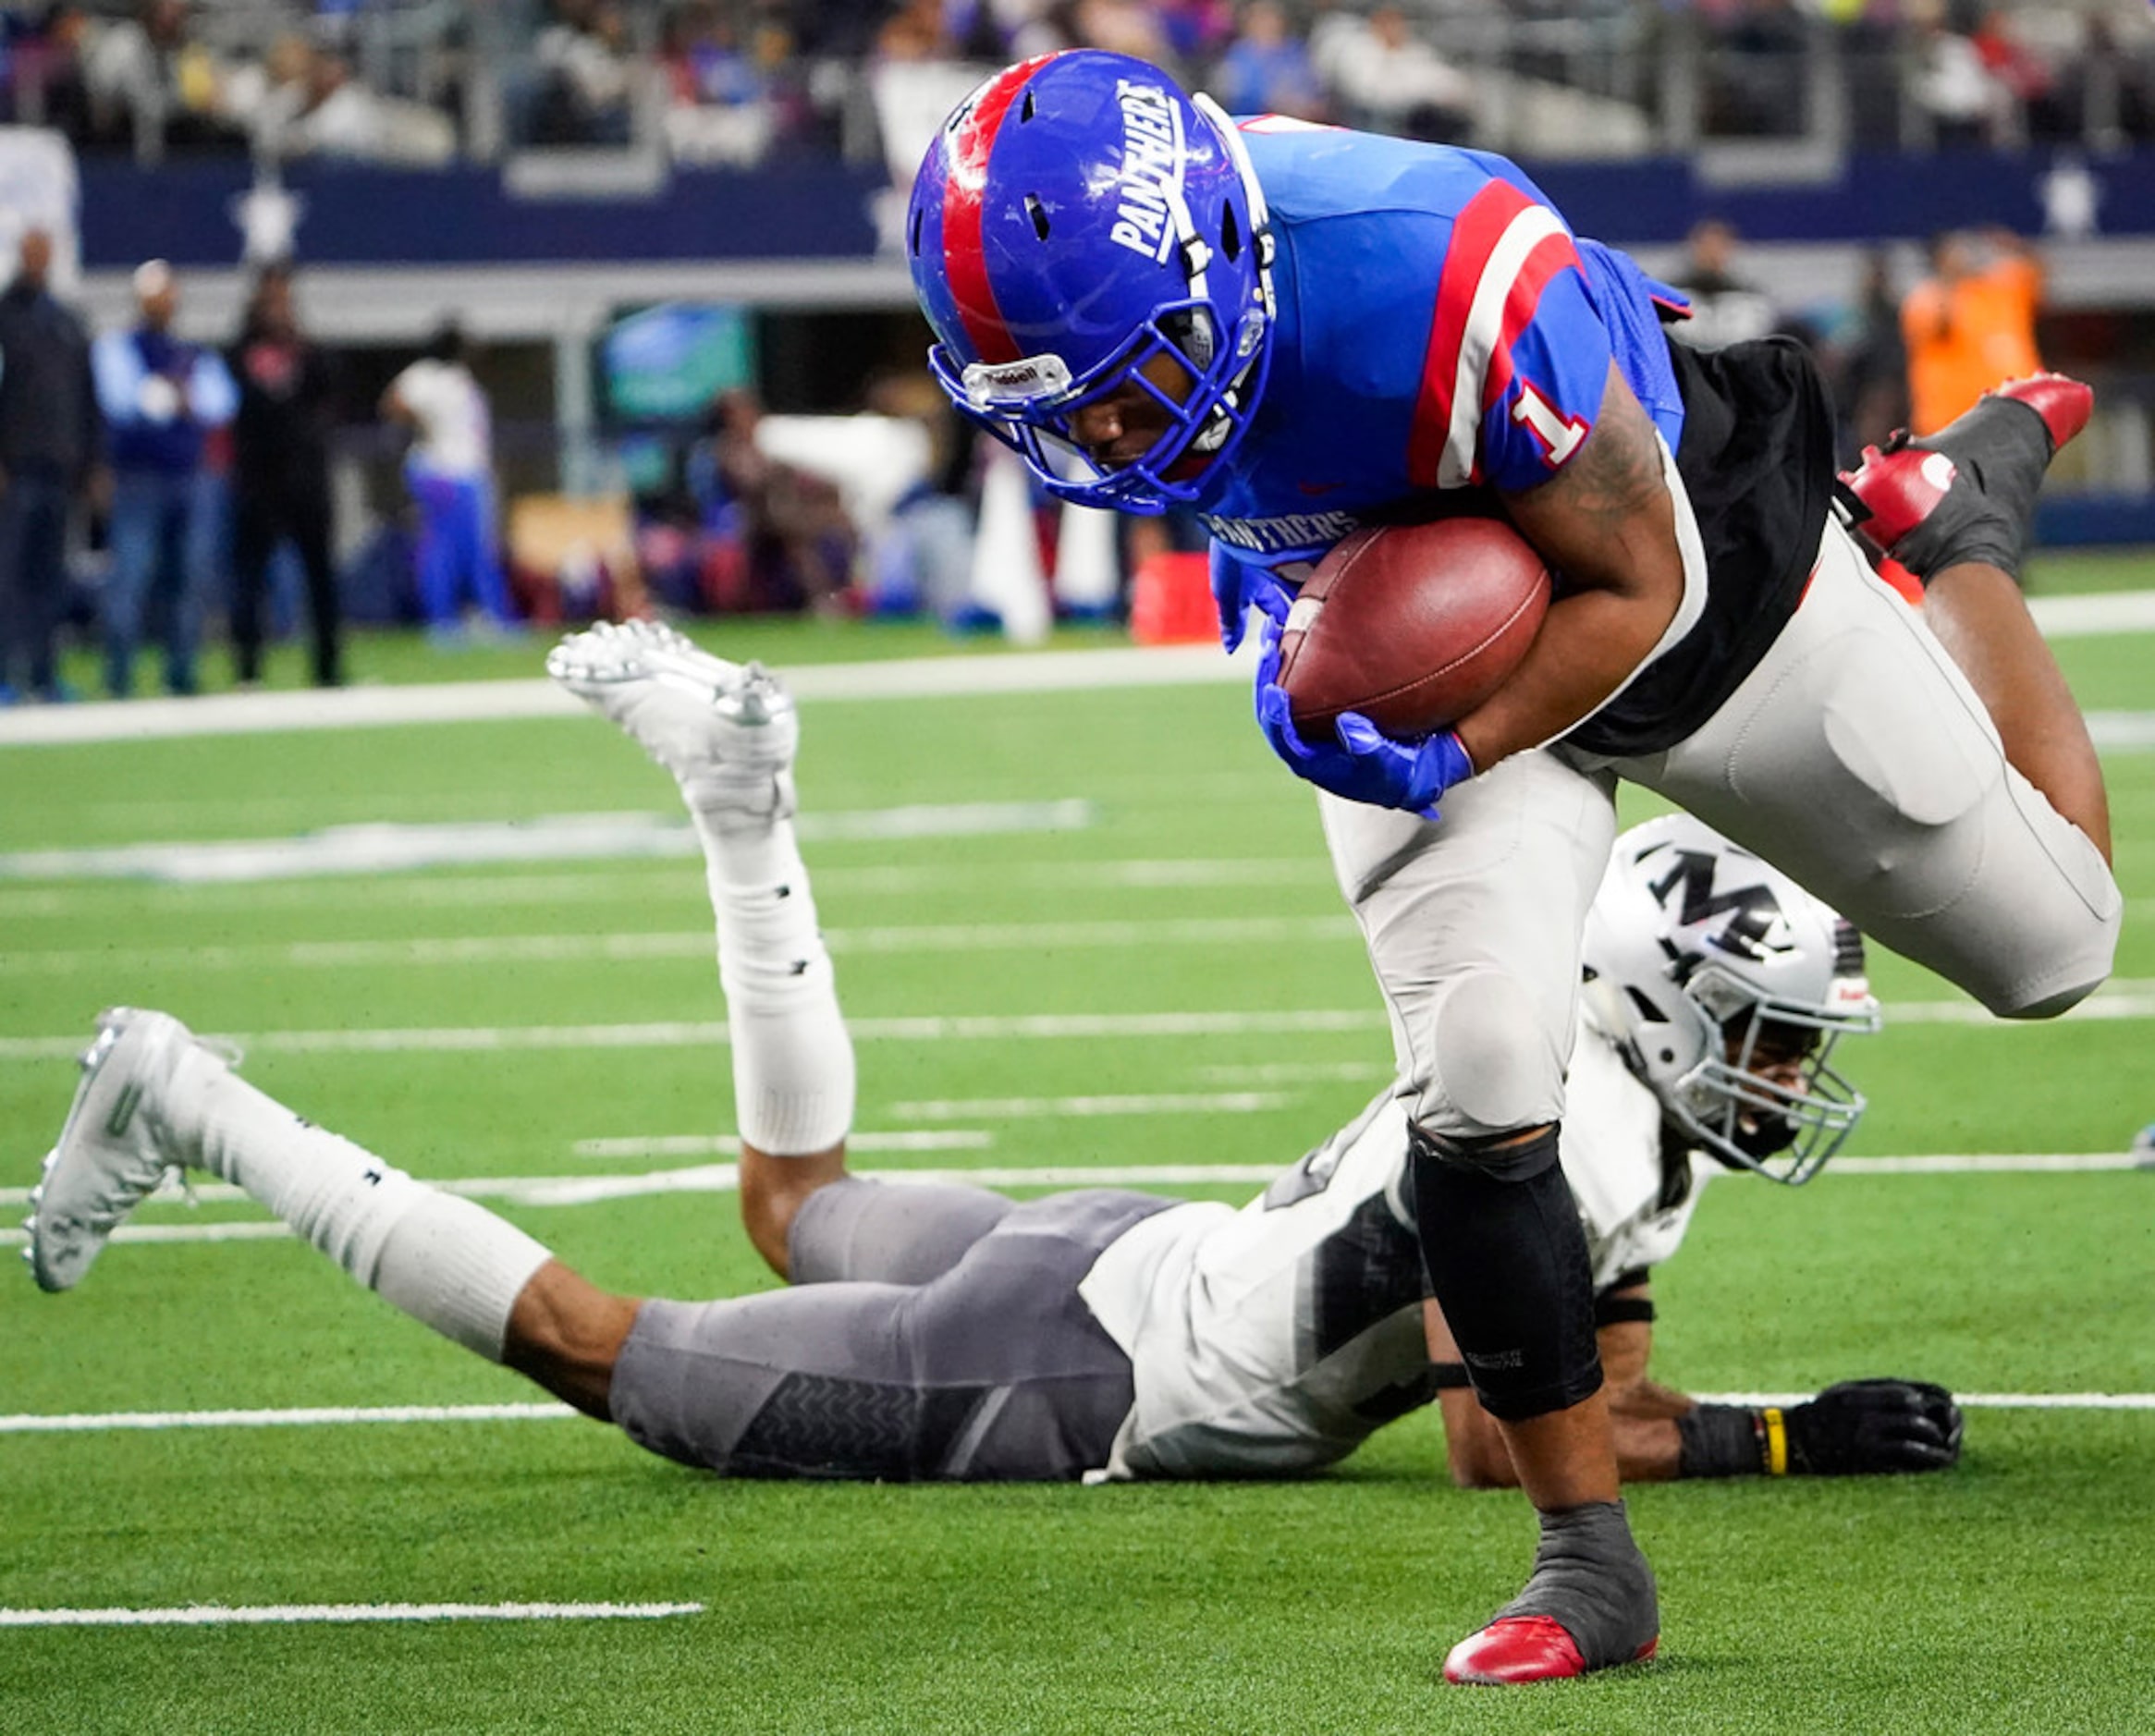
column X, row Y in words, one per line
column 1726, row 985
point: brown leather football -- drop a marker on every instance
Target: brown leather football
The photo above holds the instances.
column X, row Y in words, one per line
column 1412, row 625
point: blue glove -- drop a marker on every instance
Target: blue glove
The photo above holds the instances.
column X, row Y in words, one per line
column 1237, row 588
column 1366, row 765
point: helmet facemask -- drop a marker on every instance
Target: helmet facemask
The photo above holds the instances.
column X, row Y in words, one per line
column 1765, row 1095
column 1036, row 419
column 1727, row 988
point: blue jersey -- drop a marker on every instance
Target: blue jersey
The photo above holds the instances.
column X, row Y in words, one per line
column 1438, row 327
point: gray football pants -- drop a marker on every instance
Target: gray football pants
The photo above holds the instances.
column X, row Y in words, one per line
column 1855, row 758
column 933, row 1332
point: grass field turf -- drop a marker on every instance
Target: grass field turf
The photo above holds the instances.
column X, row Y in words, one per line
column 2012, row 1594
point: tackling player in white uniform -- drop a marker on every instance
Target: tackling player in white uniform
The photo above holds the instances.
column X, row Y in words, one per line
column 947, row 1332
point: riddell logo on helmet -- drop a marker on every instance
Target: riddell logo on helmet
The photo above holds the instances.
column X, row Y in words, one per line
column 1150, row 183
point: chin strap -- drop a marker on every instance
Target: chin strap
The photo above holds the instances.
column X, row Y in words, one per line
column 1262, row 245
column 1238, row 154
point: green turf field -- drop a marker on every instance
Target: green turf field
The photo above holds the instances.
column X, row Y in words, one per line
column 2015, row 1594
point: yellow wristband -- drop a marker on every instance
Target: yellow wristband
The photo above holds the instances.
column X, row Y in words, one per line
column 1776, row 1443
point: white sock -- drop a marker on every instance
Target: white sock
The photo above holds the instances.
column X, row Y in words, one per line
column 792, row 1058
column 449, row 1264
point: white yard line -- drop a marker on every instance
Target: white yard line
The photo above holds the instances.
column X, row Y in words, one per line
column 692, row 1179
column 1295, row 1073
column 2094, row 614
column 2125, row 998
column 1129, row 1102
column 727, row 1145
column 306, row 1416
column 394, row 847
column 1972, row 1400
column 1991, row 1164
column 693, row 944
column 219, row 1615
column 706, row 1034
column 339, row 1416
column 899, row 678
column 560, row 1190
column 580, row 888
column 724, row 1178
column 497, row 702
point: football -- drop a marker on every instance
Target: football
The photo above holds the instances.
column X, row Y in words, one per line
column 1412, row 625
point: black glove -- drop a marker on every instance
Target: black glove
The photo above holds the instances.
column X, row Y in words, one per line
column 1861, row 1426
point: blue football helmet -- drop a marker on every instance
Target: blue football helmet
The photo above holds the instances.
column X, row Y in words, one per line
column 1077, row 217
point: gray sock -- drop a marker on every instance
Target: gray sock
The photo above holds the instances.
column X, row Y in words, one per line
column 1590, row 1578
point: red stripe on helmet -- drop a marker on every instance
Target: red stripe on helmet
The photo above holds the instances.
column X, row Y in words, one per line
column 965, row 261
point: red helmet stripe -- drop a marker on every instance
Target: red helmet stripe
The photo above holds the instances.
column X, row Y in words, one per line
column 965, row 261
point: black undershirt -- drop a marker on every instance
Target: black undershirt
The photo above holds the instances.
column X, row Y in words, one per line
column 1756, row 459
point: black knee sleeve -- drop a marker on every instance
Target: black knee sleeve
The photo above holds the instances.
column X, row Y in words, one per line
column 1507, row 1258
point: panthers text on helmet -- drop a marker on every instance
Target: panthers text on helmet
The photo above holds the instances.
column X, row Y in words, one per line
column 1150, row 183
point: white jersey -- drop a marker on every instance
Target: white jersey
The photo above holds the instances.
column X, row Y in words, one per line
column 455, row 436
column 1278, row 1338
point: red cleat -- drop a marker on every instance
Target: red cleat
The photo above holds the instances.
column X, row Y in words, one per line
column 1966, row 492
column 1522, row 1649
column 2062, row 402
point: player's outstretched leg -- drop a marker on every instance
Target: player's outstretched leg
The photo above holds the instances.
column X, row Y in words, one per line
column 154, row 1097
column 728, row 733
column 1966, row 492
column 1955, row 508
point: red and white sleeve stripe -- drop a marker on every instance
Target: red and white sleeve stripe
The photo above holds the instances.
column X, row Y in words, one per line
column 1504, row 249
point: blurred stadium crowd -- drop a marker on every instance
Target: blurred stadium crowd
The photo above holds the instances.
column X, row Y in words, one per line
column 738, row 81
column 177, row 486
column 677, row 490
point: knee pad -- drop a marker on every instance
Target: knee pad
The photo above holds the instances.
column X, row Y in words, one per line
column 1496, row 1064
column 1507, row 1258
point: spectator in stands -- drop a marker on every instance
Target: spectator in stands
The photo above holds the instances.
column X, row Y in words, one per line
column 1965, row 104
column 160, row 397
column 270, row 94
column 280, row 474
column 44, row 74
column 450, row 472
column 915, row 79
column 923, row 560
column 1726, row 306
column 1970, row 323
column 1871, row 388
column 587, row 77
column 1195, row 29
column 718, row 107
column 795, row 540
column 147, row 76
column 342, row 117
column 1267, row 68
column 49, row 439
column 2045, row 106
column 1121, row 27
column 1758, row 70
column 1389, row 79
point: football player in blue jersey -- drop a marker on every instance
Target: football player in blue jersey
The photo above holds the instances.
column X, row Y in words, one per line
column 1298, row 330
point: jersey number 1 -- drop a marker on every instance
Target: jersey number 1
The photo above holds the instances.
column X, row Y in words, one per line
column 1560, row 435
